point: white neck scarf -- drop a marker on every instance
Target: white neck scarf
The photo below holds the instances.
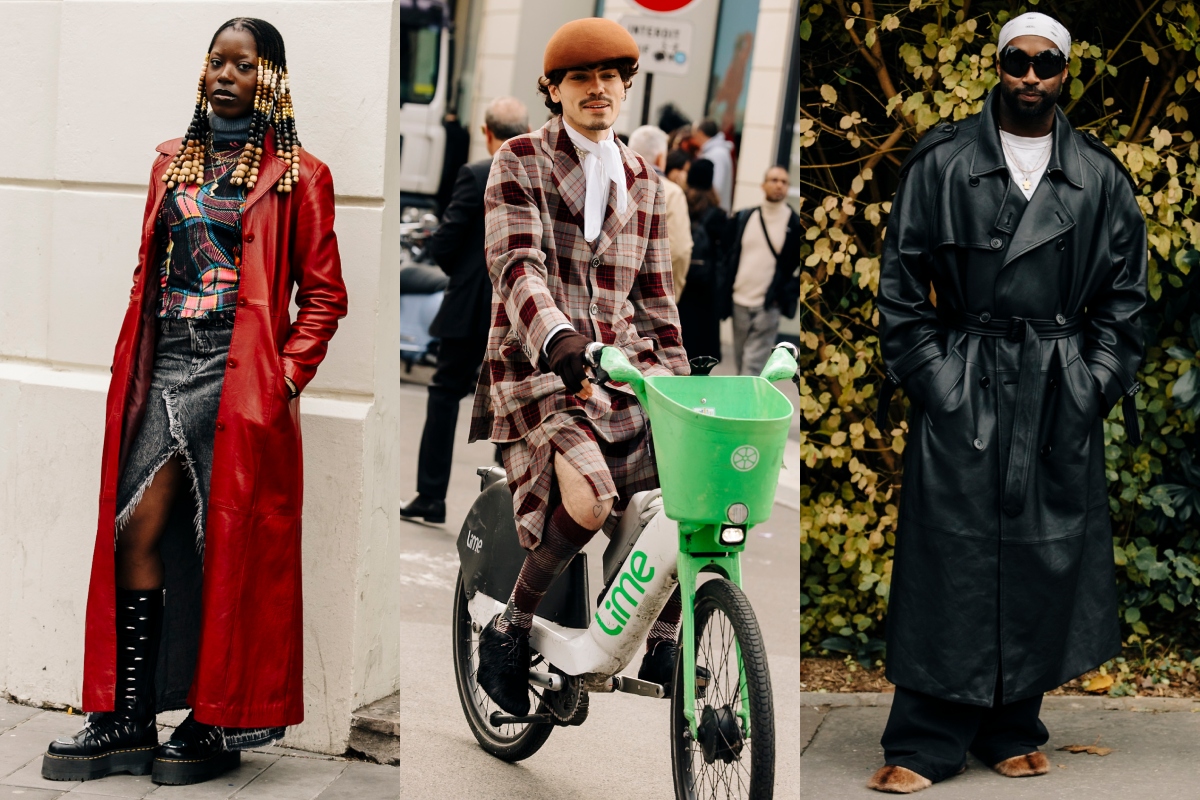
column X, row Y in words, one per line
column 602, row 164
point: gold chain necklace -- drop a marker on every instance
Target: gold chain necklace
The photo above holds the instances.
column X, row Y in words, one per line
column 1027, row 184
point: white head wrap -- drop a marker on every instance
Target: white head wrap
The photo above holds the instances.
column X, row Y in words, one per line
column 1035, row 24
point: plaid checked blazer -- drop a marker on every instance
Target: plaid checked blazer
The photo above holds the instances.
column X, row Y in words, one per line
column 616, row 290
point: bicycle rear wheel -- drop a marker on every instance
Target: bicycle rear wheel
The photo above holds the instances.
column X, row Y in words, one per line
column 507, row 742
column 722, row 762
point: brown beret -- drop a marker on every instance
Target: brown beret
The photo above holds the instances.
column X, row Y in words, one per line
column 591, row 40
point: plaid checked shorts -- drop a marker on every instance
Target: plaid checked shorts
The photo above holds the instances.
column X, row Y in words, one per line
column 614, row 454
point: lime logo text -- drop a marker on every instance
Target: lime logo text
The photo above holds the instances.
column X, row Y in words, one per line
column 636, row 575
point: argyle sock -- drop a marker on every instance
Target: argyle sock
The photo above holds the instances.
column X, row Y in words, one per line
column 564, row 537
column 666, row 627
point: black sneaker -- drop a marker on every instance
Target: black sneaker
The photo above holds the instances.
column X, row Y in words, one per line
column 428, row 509
column 658, row 665
column 504, row 668
column 194, row 753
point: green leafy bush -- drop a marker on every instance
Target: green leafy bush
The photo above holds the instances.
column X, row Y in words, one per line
column 877, row 76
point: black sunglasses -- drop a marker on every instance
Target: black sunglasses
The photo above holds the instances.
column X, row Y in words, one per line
column 1046, row 64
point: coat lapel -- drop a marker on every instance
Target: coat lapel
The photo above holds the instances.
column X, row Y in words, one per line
column 167, row 150
column 568, row 172
column 1046, row 217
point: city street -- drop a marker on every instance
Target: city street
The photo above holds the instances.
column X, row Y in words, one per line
column 272, row 773
column 624, row 743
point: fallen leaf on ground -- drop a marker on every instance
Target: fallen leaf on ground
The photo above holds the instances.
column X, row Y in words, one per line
column 1099, row 683
column 1087, row 748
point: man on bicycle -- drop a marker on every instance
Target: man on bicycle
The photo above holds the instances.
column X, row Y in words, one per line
column 576, row 247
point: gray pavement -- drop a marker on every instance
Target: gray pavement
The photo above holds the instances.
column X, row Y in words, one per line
column 622, row 750
column 1155, row 743
column 272, row 773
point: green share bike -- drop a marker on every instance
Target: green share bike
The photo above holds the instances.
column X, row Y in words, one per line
column 719, row 443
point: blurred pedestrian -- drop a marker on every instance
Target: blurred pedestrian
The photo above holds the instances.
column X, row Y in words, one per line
column 671, row 118
column 762, row 273
column 195, row 595
column 716, row 148
column 463, row 322
column 699, row 321
column 677, row 165
column 681, row 139
column 650, row 142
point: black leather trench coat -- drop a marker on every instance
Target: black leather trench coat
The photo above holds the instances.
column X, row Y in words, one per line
column 1003, row 582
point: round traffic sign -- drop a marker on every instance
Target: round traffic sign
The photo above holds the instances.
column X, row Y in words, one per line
column 664, row 5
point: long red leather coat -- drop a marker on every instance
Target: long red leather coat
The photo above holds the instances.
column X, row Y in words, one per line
column 249, row 668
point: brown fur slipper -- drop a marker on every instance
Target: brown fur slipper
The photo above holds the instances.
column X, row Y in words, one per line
column 1034, row 763
column 897, row 780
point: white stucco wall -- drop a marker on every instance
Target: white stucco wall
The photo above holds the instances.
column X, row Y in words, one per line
column 764, row 101
column 90, row 88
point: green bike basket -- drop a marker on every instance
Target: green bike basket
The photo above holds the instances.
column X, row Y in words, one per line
column 718, row 441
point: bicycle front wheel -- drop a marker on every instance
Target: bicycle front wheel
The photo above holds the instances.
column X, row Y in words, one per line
column 723, row 761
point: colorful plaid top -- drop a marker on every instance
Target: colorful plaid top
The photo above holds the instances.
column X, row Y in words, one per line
column 202, row 226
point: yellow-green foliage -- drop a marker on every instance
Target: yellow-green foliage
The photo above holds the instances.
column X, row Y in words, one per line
column 877, row 76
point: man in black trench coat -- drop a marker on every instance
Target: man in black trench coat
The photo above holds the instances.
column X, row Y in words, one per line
column 1003, row 585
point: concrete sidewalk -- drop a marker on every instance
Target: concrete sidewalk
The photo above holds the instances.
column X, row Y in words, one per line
column 1155, row 741
column 272, row 773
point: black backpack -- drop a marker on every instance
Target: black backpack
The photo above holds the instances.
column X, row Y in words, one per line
column 703, row 270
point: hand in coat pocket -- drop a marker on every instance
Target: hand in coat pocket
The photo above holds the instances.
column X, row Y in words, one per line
column 929, row 383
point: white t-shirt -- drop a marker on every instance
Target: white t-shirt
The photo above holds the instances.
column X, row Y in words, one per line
column 1032, row 154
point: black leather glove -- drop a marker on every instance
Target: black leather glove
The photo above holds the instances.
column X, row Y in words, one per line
column 564, row 356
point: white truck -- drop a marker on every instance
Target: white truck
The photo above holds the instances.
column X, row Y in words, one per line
column 425, row 80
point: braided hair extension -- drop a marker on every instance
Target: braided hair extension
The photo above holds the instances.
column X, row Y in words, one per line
column 272, row 109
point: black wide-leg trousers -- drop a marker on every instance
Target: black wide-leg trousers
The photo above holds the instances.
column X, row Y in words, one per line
column 932, row 737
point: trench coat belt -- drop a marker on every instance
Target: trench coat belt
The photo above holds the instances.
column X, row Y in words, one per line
column 1029, row 332
column 1018, row 329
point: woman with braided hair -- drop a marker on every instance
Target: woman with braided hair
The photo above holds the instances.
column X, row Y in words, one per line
column 195, row 588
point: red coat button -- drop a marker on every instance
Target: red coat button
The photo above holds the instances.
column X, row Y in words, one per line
column 220, row 425
column 249, row 238
column 232, row 363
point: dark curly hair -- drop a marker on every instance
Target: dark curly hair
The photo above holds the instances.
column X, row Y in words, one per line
column 626, row 67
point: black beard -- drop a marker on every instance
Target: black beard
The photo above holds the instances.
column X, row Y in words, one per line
column 1027, row 112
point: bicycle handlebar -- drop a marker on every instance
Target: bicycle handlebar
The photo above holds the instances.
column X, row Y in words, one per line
column 609, row 363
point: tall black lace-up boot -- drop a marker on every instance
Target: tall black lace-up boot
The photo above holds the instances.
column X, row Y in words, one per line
column 121, row 740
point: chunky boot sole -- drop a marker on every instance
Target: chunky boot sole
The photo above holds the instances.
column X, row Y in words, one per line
column 137, row 761
column 182, row 773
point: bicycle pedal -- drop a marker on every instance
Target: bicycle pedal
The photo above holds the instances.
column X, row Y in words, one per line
column 635, row 686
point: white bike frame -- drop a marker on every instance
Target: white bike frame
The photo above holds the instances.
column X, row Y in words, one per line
column 632, row 604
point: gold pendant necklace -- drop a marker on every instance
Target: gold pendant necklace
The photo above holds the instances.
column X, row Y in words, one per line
column 1027, row 184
